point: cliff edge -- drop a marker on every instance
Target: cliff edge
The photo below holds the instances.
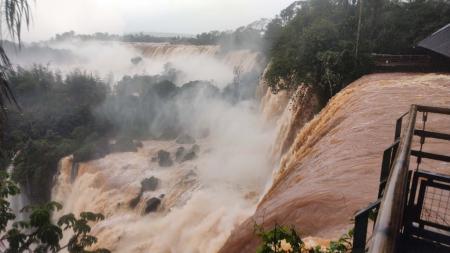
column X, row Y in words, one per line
column 332, row 167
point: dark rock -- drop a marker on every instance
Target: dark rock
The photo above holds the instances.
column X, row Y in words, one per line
column 149, row 184
column 152, row 205
column 179, row 154
column 185, row 139
column 189, row 156
column 134, row 202
column 136, row 60
column 164, row 159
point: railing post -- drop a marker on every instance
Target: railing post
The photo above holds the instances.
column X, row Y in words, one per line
column 390, row 216
column 398, row 128
column 360, row 233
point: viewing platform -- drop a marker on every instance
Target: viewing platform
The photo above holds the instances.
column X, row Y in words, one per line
column 412, row 212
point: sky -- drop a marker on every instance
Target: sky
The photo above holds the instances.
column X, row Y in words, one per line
column 159, row 16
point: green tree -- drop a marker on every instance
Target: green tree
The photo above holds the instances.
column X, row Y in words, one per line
column 328, row 43
column 13, row 13
column 38, row 233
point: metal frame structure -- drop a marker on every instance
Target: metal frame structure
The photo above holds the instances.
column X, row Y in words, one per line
column 406, row 195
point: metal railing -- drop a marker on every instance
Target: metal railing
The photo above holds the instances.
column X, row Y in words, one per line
column 396, row 216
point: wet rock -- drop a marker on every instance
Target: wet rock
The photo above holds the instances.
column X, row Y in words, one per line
column 164, row 159
column 191, row 154
column 136, row 60
column 179, row 154
column 149, row 184
column 152, row 205
column 183, row 155
column 185, row 139
column 134, row 202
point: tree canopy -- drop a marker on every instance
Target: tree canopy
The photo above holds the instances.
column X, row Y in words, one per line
column 315, row 42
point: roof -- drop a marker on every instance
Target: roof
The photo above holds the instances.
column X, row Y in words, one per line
column 438, row 42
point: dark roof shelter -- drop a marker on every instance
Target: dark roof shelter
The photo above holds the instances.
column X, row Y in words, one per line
column 438, row 42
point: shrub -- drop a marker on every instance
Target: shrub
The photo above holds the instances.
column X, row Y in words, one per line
column 282, row 239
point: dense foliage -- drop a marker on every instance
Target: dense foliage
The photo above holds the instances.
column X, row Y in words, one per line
column 316, row 42
column 13, row 13
column 282, row 239
column 56, row 118
column 38, row 233
column 144, row 106
column 80, row 114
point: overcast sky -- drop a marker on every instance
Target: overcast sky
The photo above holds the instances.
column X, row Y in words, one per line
column 124, row 16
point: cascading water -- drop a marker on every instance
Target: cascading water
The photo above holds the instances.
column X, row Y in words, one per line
column 332, row 168
column 197, row 202
column 202, row 200
column 19, row 201
column 112, row 60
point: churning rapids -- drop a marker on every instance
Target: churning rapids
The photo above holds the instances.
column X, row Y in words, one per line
column 329, row 167
column 200, row 201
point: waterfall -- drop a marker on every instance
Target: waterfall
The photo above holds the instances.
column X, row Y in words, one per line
column 331, row 169
column 113, row 60
column 19, row 201
column 198, row 201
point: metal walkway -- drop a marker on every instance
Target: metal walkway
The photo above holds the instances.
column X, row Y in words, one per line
column 412, row 213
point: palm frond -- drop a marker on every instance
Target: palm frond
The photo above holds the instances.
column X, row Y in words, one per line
column 12, row 15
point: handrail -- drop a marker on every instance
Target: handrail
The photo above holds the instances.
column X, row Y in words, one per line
column 390, row 215
column 432, row 109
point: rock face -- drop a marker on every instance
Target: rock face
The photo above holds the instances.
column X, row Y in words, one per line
column 182, row 155
column 135, row 201
column 152, row 205
column 332, row 168
column 164, row 159
column 179, row 154
column 149, row 184
column 302, row 107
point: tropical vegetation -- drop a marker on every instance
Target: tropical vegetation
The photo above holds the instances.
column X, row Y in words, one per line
column 328, row 43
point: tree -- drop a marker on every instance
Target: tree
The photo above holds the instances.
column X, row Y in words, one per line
column 39, row 234
column 13, row 12
column 328, row 43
